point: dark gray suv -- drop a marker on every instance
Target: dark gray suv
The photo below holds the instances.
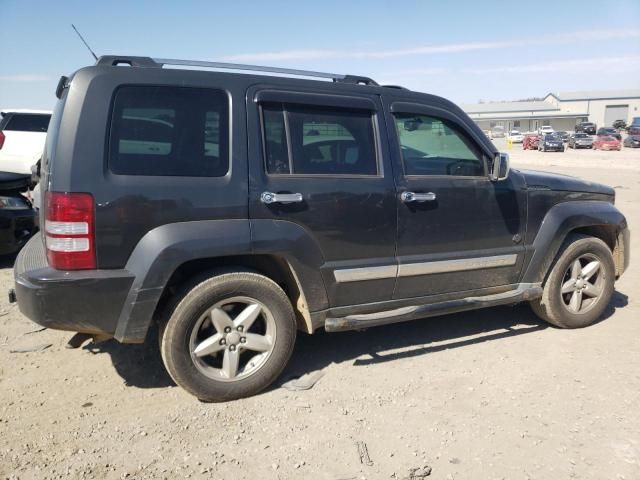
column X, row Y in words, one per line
column 237, row 209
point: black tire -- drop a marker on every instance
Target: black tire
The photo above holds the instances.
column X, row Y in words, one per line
column 552, row 307
column 185, row 312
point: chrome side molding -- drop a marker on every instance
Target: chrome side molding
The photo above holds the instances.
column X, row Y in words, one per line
column 343, row 275
column 459, row 265
column 367, row 273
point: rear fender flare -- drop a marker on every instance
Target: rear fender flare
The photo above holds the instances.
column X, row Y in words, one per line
column 160, row 252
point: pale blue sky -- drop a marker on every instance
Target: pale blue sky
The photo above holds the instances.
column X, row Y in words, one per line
column 465, row 51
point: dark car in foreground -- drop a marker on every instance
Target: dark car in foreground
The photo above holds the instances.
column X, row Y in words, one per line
column 551, row 143
column 580, row 140
column 17, row 216
column 632, row 141
column 233, row 210
column 586, row 127
column 609, row 132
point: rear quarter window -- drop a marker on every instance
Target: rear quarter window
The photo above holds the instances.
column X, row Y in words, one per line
column 169, row 131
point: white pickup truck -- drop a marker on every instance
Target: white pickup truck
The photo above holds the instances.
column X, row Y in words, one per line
column 22, row 137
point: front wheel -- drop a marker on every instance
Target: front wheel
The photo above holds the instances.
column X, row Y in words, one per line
column 580, row 284
column 228, row 336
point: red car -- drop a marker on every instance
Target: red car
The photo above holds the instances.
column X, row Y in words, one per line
column 606, row 143
column 530, row 142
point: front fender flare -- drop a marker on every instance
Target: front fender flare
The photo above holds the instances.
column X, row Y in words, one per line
column 559, row 221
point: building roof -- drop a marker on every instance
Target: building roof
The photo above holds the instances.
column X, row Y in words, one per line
column 508, row 107
column 597, row 94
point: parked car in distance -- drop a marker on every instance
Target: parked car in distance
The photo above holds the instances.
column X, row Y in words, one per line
column 606, row 142
column 230, row 233
column 633, row 130
column 586, row 127
column 530, row 141
column 632, row 141
column 619, row 125
column 545, row 130
column 580, row 140
column 563, row 134
column 550, row 143
column 22, row 136
column 609, row 132
column 497, row 131
column 515, row 136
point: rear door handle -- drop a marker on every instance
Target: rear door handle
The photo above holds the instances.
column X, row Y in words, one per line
column 408, row 197
column 270, row 197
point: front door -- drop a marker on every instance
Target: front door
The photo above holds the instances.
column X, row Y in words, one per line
column 318, row 161
column 457, row 230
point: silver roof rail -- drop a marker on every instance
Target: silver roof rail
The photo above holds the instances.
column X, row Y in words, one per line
column 113, row 60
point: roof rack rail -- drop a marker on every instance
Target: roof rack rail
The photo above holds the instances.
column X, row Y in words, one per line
column 112, row 60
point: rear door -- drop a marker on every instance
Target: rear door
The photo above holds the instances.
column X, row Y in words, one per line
column 325, row 154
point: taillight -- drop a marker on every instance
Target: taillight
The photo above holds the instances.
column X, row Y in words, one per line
column 2, row 137
column 69, row 230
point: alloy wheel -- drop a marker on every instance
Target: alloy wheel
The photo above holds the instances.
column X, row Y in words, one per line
column 233, row 339
column 583, row 284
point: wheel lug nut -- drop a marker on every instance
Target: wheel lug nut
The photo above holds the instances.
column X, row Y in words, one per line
column 223, row 341
column 232, row 347
column 227, row 329
column 240, row 328
column 243, row 339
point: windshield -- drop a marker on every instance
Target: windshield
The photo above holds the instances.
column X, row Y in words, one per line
column 515, row 132
column 551, row 136
column 582, row 135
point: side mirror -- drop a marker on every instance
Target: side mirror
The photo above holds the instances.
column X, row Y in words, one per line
column 500, row 167
column 412, row 125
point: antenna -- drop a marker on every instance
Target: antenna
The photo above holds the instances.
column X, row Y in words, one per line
column 85, row 43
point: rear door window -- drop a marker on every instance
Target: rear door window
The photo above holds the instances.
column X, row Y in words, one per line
column 27, row 122
column 319, row 141
column 169, row 131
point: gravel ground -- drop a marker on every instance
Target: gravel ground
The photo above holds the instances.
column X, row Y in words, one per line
column 490, row 394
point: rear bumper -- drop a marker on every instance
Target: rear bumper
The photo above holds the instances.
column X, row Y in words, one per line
column 16, row 228
column 88, row 301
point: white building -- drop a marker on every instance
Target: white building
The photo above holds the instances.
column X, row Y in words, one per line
column 560, row 110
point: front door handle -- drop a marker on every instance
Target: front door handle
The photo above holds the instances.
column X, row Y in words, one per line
column 408, row 197
column 270, row 197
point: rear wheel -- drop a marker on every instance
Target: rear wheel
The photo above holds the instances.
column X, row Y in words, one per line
column 228, row 336
column 580, row 284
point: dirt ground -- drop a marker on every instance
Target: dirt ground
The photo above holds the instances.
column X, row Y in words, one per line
column 492, row 394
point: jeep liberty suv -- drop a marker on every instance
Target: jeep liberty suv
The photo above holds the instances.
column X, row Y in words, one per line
column 235, row 209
